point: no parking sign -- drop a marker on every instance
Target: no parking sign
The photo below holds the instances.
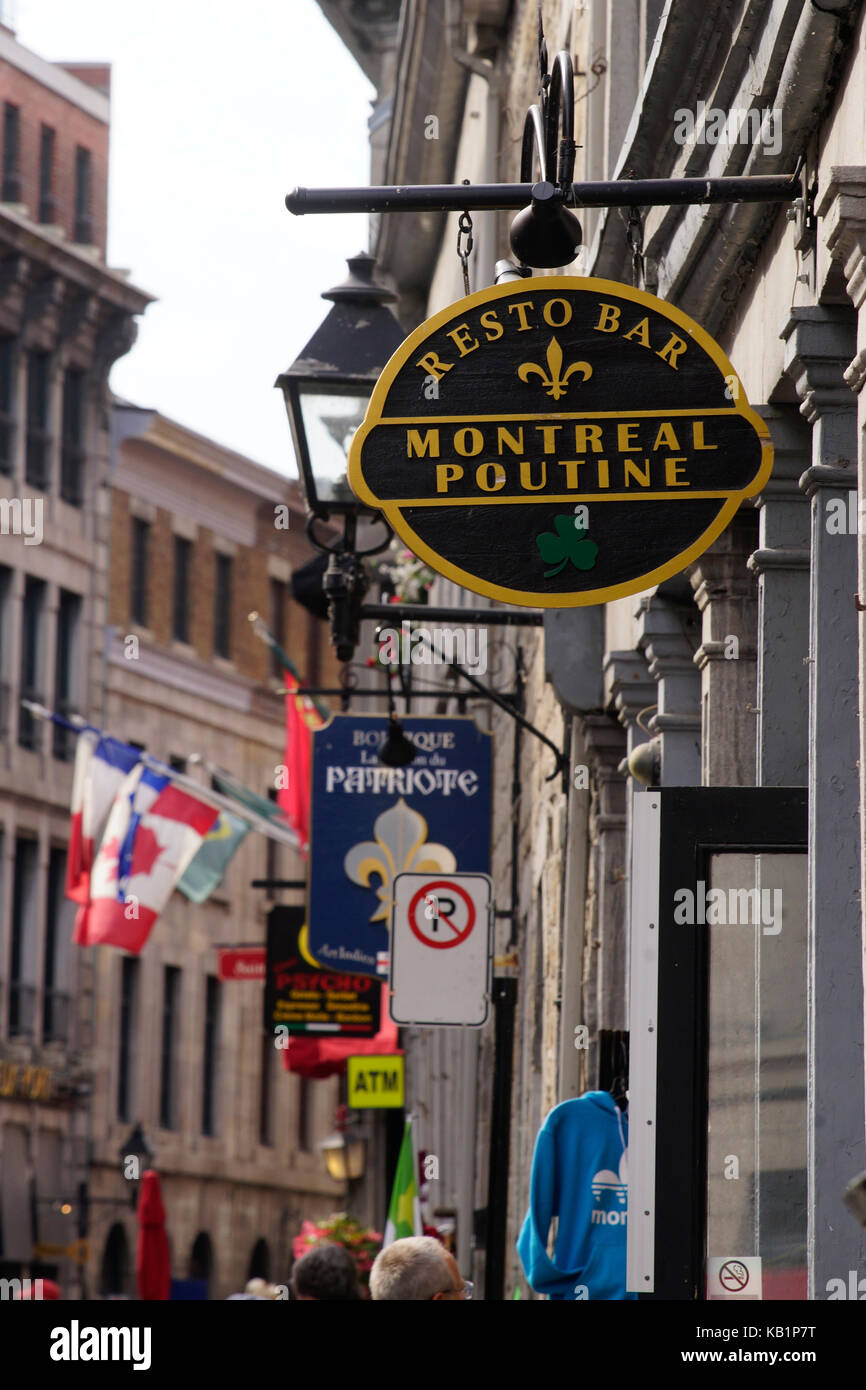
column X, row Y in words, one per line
column 440, row 949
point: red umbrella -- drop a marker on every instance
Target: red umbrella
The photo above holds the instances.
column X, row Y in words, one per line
column 152, row 1261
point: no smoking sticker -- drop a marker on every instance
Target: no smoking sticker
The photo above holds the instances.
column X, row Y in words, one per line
column 441, row 914
column 734, row 1277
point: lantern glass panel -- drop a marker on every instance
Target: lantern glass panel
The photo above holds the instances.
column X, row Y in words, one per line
column 330, row 421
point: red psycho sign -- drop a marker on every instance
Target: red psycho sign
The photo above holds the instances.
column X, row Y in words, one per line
column 247, row 963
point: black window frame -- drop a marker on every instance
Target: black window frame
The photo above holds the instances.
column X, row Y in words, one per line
column 180, row 589
column 11, row 185
column 55, row 994
column 210, row 1069
column 138, row 574
column 47, row 149
column 222, row 611
column 73, row 436
column 168, row 1062
column 38, row 443
column 22, row 993
column 83, row 229
column 66, row 644
column 30, row 670
column 129, row 986
column 7, row 404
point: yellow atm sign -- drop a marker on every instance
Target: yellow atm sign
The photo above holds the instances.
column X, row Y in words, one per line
column 376, row 1082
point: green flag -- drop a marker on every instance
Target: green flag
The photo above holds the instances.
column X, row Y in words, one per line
column 207, row 869
column 404, row 1213
column 262, row 805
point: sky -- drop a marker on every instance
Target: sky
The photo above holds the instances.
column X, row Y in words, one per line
column 218, row 110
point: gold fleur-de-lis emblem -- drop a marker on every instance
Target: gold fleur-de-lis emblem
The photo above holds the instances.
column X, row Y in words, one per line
column 400, row 846
column 556, row 384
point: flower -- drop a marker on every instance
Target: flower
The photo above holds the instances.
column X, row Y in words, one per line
column 341, row 1229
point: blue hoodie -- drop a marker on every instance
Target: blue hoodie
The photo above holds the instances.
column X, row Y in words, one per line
column 579, row 1174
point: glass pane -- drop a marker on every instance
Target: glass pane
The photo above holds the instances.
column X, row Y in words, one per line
column 731, row 1061
column 782, row 1080
column 330, row 422
column 755, row 912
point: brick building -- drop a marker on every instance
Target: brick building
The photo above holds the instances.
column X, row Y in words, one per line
column 65, row 316
column 201, row 537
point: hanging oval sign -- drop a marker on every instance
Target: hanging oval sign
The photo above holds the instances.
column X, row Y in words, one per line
column 557, row 442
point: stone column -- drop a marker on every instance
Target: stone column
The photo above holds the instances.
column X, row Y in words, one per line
column 781, row 564
column 605, row 940
column 668, row 635
column 820, row 345
column 726, row 595
column 632, row 692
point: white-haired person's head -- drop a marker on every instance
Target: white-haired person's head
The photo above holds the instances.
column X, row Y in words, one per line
column 417, row 1268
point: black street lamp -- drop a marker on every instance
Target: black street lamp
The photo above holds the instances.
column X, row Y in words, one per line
column 326, row 390
column 136, row 1148
column 329, row 384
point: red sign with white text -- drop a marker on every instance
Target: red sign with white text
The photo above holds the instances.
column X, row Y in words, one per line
column 247, row 963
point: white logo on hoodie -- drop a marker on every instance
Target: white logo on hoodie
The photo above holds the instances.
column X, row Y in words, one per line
column 606, row 1181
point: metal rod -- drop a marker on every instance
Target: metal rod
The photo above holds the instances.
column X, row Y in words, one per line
column 509, row 708
column 278, row 883
column 420, row 612
column 447, row 197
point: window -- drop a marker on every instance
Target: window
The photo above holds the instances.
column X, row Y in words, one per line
column 46, row 175
column 11, row 137
column 5, row 638
column 138, row 573
column 58, row 932
column 72, row 446
column 129, row 976
column 66, row 671
column 211, row 1055
column 7, row 404
column 182, row 557
column 31, row 659
column 22, row 965
column 83, row 233
column 222, row 606
column 176, row 762
column 305, row 1134
column 168, row 1068
column 277, row 624
column 272, row 862
column 38, row 437
column 266, row 1125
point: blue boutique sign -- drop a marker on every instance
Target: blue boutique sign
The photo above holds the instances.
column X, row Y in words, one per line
column 370, row 822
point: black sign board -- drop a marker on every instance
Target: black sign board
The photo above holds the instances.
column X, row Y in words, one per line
column 559, row 441
column 306, row 999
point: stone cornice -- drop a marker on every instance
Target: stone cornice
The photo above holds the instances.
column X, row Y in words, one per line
column 21, row 237
column 822, row 475
column 842, row 205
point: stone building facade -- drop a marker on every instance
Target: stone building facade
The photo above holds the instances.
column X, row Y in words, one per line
column 781, row 588
column 178, row 1051
column 65, row 316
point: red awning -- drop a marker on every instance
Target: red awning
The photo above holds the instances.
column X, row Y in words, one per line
column 316, row 1058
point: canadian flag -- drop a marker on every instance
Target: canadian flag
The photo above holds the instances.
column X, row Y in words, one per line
column 153, row 831
column 100, row 767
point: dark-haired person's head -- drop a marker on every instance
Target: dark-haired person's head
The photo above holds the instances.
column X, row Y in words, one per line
column 326, row 1274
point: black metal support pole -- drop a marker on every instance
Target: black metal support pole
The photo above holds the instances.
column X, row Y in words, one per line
column 505, row 1003
column 622, row 193
column 480, row 617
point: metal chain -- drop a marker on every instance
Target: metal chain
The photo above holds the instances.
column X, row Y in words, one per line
column 634, row 237
column 465, row 230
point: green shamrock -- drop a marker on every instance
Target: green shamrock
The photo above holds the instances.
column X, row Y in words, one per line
column 569, row 544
